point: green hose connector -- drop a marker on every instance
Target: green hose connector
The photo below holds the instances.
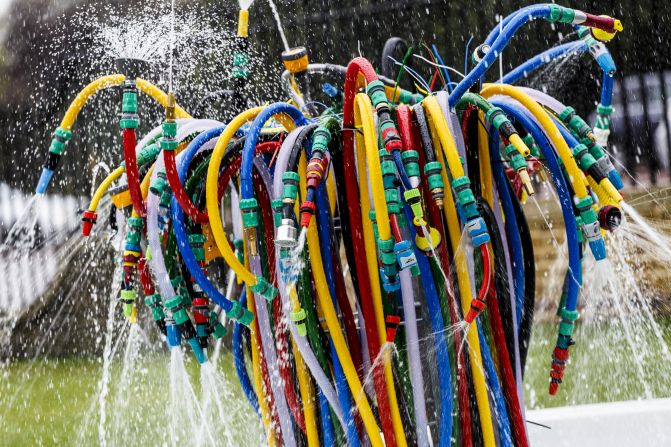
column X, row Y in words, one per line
column 160, row 183
column 264, row 288
column 392, row 198
column 321, row 138
column 175, row 306
column 561, row 14
column 154, row 303
column 299, row 317
column 250, row 215
column 128, row 300
column 496, row 117
column 531, row 144
column 465, row 197
column 290, row 183
column 603, row 116
column 388, row 168
column 136, row 223
column 197, row 241
column 240, row 314
column 276, row 205
column 575, row 123
column 410, row 160
column 168, row 141
column 61, row 138
column 219, row 331
column 582, row 156
column 376, row 92
column 240, row 70
column 165, row 199
column 387, row 256
column 129, row 118
column 414, row 198
column 517, row 162
column 147, row 154
column 433, row 171
column 373, row 218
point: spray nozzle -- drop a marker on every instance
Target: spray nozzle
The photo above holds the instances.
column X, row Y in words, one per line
column 170, row 107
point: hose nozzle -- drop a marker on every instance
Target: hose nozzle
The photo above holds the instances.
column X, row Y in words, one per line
column 477, row 306
column 170, row 107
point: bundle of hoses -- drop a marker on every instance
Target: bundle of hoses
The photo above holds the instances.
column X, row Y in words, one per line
column 378, row 267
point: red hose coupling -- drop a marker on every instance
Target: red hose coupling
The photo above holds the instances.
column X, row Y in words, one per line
column 601, row 22
column 477, row 306
column 316, row 170
column 200, row 310
column 88, row 220
column 392, row 322
column 307, row 211
column 559, row 359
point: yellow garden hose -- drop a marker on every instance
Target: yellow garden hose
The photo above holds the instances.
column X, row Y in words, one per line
column 438, row 123
column 485, row 162
column 106, row 82
column 325, row 302
column 368, row 155
column 575, row 175
column 212, row 199
column 104, row 186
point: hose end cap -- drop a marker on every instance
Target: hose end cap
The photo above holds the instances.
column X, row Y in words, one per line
column 610, row 217
column 89, row 218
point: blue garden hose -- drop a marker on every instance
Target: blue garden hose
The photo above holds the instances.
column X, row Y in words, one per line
column 514, row 240
column 438, row 328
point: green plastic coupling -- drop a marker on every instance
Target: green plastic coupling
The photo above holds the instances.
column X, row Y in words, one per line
column 179, row 314
column 465, row 197
column 290, row 183
column 433, row 174
column 604, row 110
column 567, row 325
column 239, row 250
column 240, row 314
column 531, row 144
column 575, row 123
column 410, row 160
column 299, row 317
column 276, row 205
column 219, row 331
column 561, row 14
column 321, row 139
column 160, row 183
column 496, row 117
column 240, row 70
column 61, row 138
column 136, row 223
column 147, row 154
column 414, row 198
column 388, row 168
column 583, row 157
column 387, row 256
column 375, row 91
column 133, row 237
column 264, row 288
column 392, row 199
column 250, row 215
column 197, row 241
column 517, row 161
column 128, row 299
column 154, row 303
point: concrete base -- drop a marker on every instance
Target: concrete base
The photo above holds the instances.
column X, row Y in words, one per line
column 619, row 424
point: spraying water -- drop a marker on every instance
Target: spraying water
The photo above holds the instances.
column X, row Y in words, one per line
column 22, row 233
column 276, row 14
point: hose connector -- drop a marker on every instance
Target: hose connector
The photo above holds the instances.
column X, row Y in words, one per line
column 414, row 199
column 610, row 217
column 89, row 219
column 519, row 164
column 391, row 324
column 433, row 172
column 129, row 117
column 264, row 288
column 405, row 256
column 590, row 227
column 240, row 314
column 388, row 268
column 475, row 309
column 299, row 317
column 410, row 160
column 479, row 53
column 128, row 301
column 250, row 221
column 560, row 353
column 287, row 234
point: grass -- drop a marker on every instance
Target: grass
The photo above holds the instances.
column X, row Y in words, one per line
column 55, row 401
